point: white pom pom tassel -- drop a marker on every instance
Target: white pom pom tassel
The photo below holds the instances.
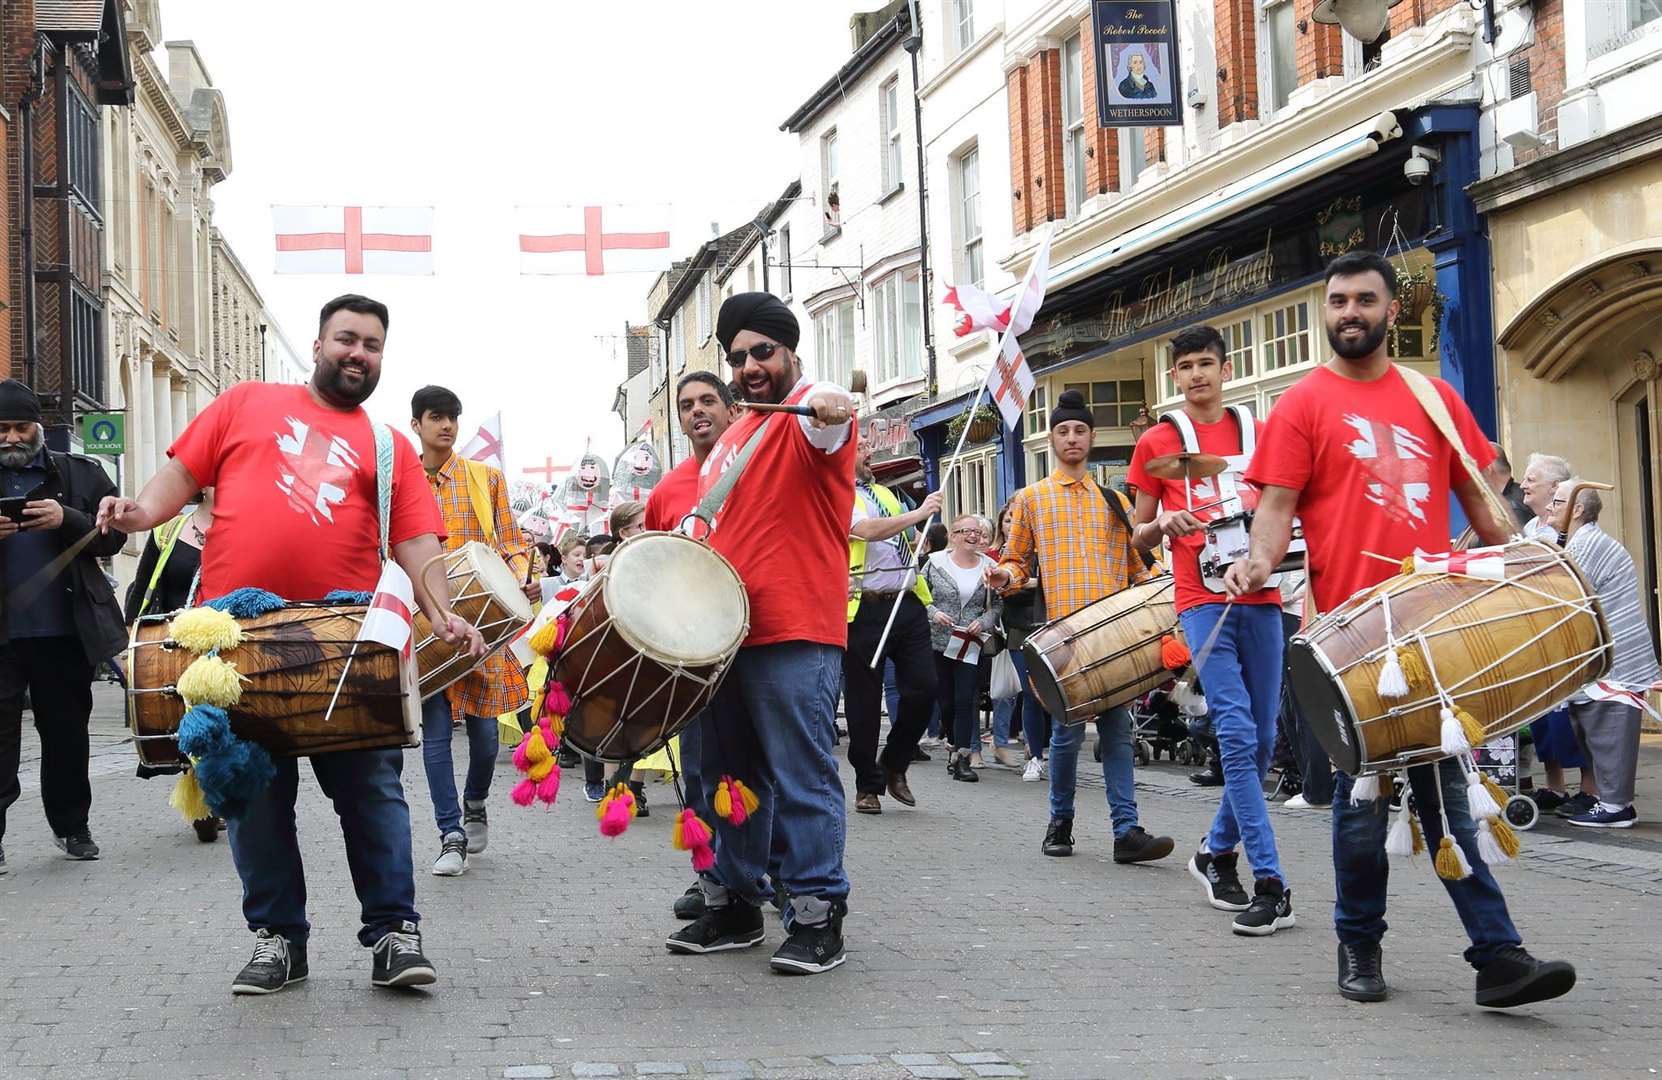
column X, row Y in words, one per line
column 1482, row 803
column 1392, row 682
column 1454, row 736
column 1487, row 847
column 1365, row 789
column 1400, row 840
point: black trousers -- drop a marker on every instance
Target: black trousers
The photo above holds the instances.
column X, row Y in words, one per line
column 959, row 694
column 55, row 673
column 914, row 676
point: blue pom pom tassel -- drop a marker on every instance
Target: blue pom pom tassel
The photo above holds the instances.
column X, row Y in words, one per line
column 347, row 596
column 231, row 777
column 247, row 602
column 204, row 731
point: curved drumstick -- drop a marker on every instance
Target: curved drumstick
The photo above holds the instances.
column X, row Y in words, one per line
column 1563, row 523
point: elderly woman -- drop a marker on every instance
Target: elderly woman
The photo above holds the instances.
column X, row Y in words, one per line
column 961, row 601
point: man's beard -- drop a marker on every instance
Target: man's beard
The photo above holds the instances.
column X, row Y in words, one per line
column 1362, row 347
column 333, row 386
column 18, row 455
column 778, row 389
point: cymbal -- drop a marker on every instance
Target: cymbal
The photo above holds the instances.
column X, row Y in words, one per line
column 1185, row 466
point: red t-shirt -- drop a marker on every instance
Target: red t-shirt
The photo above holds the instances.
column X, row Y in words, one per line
column 1224, row 439
column 784, row 527
column 294, row 493
column 673, row 498
column 1372, row 471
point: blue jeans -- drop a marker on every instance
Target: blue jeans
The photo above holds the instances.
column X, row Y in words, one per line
column 1360, row 866
column 374, row 820
column 1035, row 723
column 1113, row 730
column 955, row 683
column 692, row 775
column 482, row 743
column 771, row 726
column 1242, row 676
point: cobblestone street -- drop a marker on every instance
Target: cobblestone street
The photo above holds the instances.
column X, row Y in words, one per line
column 971, row 955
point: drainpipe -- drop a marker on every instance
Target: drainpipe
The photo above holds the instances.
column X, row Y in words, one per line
column 913, row 44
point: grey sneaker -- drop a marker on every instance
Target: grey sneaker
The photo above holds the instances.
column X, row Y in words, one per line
column 276, row 963
column 475, row 825
column 452, row 860
column 399, row 960
column 78, row 845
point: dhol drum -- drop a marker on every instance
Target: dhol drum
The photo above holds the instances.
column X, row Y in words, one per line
column 650, row 640
column 1104, row 654
column 485, row 593
column 291, row 661
column 1504, row 649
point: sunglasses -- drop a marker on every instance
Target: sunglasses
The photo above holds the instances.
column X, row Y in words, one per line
column 759, row 352
column 966, row 532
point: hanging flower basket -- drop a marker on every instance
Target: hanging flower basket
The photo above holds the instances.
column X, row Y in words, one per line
column 983, row 424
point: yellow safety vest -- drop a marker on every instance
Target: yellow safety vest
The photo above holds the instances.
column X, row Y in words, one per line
column 857, row 552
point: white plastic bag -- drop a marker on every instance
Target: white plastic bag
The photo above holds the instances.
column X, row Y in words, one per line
column 1005, row 682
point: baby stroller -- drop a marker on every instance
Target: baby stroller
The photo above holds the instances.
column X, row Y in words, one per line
column 1164, row 721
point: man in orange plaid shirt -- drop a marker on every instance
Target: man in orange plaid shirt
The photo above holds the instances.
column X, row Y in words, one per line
column 469, row 495
column 1083, row 552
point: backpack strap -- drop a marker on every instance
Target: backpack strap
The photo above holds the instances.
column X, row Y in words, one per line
column 383, row 485
column 1112, row 498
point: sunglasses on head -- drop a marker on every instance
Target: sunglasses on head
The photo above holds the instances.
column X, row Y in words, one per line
column 761, row 351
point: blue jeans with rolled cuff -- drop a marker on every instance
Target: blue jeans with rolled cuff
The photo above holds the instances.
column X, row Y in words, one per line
column 1361, row 868
column 364, row 785
column 436, row 758
column 1113, row 730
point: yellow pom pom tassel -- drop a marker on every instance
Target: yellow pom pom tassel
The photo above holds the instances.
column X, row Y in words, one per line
column 543, row 641
column 203, row 630
column 210, row 681
column 1505, row 837
column 723, row 801
column 1414, row 672
column 1475, row 735
column 1451, row 862
column 187, row 798
column 1407, row 565
column 557, row 725
column 1495, row 791
column 747, row 797
column 536, row 749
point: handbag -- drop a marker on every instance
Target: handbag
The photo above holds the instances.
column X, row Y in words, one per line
column 1005, row 684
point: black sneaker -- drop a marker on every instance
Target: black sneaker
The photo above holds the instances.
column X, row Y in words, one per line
column 77, row 845
column 1579, row 803
column 735, row 925
column 1271, row 910
column 1360, row 975
column 810, row 950
column 1548, row 800
column 1138, row 846
column 1216, row 873
column 399, row 960
column 1059, row 838
column 690, row 904
column 277, row 962
column 639, row 790
column 1517, row 978
column 919, row 755
column 207, row 829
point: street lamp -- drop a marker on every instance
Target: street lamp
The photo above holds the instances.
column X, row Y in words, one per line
column 1141, row 423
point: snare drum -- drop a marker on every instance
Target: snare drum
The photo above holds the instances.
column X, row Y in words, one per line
column 1506, row 651
column 1229, row 539
column 1104, row 654
column 485, row 593
column 290, row 660
column 650, row 640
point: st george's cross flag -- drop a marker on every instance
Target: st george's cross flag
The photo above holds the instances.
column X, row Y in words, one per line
column 1487, row 563
column 486, row 444
column 353, row 239
column 594, row 240
column 390, row 619
column 977, row 310
column 1010, row 380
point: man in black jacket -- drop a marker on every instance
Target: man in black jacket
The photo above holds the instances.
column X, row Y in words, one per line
column 58, row 615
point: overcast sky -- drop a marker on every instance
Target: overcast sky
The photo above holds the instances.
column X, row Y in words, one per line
column 473, row 109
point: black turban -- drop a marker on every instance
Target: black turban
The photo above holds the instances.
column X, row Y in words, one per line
column 758, row 311
column 1071, row 406
column 18, row 402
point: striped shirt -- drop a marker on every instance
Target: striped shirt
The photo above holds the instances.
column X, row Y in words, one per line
column 1610, row 569
column 497, row 685
column 1083, row 552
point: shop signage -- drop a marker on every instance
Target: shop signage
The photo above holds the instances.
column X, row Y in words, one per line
column 890, row 437
column 103, row 433
column 1169, row 295
column 1138, row 81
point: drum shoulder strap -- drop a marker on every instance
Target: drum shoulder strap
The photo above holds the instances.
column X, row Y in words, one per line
column 479, row 494
column 1179, row 419
column 1432, row 402
column 708, row 506
column 383, row 485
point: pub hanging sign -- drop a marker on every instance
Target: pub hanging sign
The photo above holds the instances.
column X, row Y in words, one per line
column 1138, row 81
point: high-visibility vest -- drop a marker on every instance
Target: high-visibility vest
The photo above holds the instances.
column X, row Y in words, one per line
column 857, row 552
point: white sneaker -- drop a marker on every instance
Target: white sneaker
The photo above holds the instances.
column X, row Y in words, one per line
column 452, row 860
column 1297, row 802
column 476, row 825
column 1034, row 771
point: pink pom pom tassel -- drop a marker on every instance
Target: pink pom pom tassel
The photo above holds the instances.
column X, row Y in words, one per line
column 557, row 701
column 694, row 833
column 616, row 818
column 549, row 787
column 525, row 791
column 703, row 857
column 520, row 761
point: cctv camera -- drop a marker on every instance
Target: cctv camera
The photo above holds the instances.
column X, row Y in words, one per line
column 1418, row 165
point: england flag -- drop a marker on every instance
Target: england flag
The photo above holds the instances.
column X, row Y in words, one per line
column 486, row 444
column 353, row 239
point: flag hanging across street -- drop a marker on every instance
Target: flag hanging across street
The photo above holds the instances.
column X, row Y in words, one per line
column 486, row 444
column 391, row 615
column 1010, row 380
column 353, row 239
column 594, row 240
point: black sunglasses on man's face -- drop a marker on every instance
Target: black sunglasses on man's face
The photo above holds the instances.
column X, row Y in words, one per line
column 760, row 351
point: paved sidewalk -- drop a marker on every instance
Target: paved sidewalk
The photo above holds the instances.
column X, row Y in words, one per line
column 970, row 954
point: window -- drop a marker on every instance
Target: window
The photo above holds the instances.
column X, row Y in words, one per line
column 1613, row 24
column 86, row 354
column 656, row 361
column 834, row 336
column 1133, row 157
column 1073, row 124
column 677, row 344
column 702, row 305
column 889, row 124
column 1286, row 336
column 1237, row 339
column 965, row 30
column 1276, row 60
column 785, row 262
column 1041, row 466
column 828, row 181
column 1113, row 403
column 749, row 279
column 897, row 318
column 81, row 145
column 969, row 216
column 1038, row 411
column 974, row 488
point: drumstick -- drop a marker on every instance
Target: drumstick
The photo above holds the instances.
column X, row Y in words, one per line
column 25, row 594
column 1199, row 657
column 799, row 410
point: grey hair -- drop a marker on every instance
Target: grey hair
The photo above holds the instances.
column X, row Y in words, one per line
column 1588, row 501
column 1557, row 470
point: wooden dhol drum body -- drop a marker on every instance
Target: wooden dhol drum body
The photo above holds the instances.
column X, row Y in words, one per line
column 1505, row 651
column 1104, row 654
column 290, row 661
column 649, row 642
column 485, row 593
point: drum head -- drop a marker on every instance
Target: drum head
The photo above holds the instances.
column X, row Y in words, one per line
column 676, row 600
column 504, row 586
column 1044, row 683
column 1323, row 705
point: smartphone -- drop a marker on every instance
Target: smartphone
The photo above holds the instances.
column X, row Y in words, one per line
column 13, row 508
